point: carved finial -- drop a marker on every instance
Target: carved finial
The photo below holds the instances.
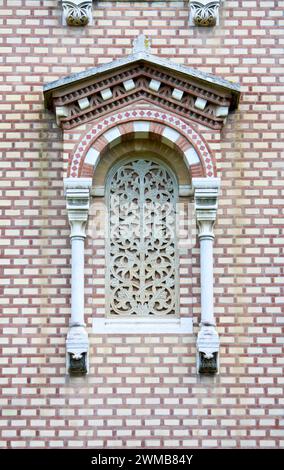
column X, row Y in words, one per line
column 142, row 44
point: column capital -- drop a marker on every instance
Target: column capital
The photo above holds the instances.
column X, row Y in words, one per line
column 206, row 191
column 77, row 193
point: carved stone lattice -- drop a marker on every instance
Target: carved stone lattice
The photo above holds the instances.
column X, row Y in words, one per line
column 142, row 243
column 204, row 13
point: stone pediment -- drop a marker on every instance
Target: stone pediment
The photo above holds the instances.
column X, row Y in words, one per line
column 141, row 76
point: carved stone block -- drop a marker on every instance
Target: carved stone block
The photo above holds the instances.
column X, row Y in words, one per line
column 204, row 13
column 208, row 345
column 77, row 350
column 76, row 12
column 77, row 365
column 208, row 365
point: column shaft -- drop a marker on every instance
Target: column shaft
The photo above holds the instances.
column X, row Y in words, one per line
column 77, row 282
column 206, row 280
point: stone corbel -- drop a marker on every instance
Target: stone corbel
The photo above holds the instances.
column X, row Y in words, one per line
column 206, row 203
column 76, row 12
column 77, row 192
column 204, row 12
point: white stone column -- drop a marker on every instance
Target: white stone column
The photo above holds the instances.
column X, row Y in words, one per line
column 77, row 192
column 206, row 202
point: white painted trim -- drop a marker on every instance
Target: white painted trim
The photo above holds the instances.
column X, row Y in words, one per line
column 145, row 325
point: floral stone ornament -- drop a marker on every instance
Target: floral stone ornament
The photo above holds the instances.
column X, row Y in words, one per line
column 76, row 12
column 204, row 13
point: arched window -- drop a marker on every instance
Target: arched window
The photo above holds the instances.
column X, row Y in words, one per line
column 142, row 259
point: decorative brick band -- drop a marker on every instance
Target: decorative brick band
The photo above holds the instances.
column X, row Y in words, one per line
column 143, row 122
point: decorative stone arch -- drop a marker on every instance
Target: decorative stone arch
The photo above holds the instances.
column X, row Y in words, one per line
column 142, row 95
column 201, row 165
column 142, row 122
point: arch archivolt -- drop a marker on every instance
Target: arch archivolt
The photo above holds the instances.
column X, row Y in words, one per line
column 143, row 124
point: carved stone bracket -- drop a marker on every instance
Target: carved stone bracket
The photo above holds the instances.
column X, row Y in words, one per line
column 206, row 204
column 204, row 12
column 77, row 191
column 208, row 344
column 76, row 12
column 77, row 347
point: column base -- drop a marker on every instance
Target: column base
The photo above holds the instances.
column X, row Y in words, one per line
column 208, row 345
column 77, row 351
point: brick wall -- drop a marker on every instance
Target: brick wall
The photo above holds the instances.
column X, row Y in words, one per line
column 142, row 390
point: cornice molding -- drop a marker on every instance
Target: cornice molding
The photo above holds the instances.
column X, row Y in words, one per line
column 83, row 97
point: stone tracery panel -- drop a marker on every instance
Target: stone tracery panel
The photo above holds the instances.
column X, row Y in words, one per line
column 142, row 254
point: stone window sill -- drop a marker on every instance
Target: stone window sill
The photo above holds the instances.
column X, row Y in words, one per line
column 142, row 326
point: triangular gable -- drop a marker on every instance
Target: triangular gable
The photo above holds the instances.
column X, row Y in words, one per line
column 198, row 96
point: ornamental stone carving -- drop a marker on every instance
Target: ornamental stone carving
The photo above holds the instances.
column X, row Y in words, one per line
column 142, row 260
column 76, row 12
column 204, row 13
column 141, row 44
column 77, row 192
